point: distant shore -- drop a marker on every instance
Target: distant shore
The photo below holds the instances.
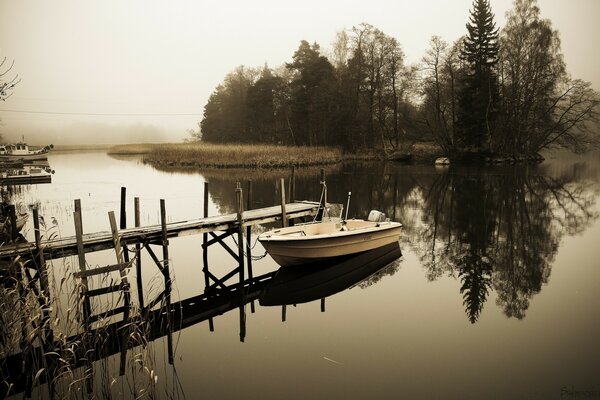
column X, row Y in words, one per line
column 208, row 155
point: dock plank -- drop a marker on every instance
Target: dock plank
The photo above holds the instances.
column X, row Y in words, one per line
column 96, row 241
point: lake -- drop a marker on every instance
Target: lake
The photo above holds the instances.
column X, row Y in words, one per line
column 495, row 295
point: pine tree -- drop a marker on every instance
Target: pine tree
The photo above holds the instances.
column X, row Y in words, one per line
column 479, row 97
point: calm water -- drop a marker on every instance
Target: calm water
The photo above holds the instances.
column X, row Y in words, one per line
column 496, row 295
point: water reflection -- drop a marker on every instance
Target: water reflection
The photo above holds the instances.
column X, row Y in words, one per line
column 51, row 361
column 495, row 229
column 301, row 284
column 500, row 229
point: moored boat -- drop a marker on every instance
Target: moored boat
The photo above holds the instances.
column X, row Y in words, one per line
column 22, row 151
column 329, row 239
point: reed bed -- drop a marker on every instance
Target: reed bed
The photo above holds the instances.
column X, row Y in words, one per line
column 231, row 155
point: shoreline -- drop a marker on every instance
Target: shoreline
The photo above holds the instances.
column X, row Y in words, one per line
column 236, row 156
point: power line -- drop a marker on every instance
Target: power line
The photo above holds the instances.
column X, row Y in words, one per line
column 101, row 114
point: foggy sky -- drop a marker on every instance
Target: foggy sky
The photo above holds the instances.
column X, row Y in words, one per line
column 166, row 57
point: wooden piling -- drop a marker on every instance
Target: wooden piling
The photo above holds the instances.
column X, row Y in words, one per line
column 293, row 185
column 284, row 221
column 167, row 277
column 123, row 215
column 211, row 324
column 12, row 214
column 138, row 254
column 43, row 275
column 240, row 242
column 87, row 309
column 120, row 251
column 249, row 241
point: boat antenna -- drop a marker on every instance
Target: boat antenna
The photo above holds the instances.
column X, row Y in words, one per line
column 347, row 206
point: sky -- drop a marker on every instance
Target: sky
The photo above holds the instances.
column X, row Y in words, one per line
column 145, row 69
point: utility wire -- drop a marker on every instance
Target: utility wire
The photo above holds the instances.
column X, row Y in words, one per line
column 100, row 114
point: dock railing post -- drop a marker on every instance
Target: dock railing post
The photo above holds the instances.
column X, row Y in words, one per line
column 12, row 213
column 248, row 241
column 240, row 242
column 138, row 255
column 211, row 324
column 167, row 277
column 43, row 274
column 284, row 221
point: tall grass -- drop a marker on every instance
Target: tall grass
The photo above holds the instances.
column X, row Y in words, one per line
column 231, row 155
column 70, row 363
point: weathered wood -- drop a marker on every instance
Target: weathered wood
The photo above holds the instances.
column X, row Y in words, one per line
column 249, row 240
column 284, row 221
column 240, row 243
column 167, row 277
column 101, row 270
column 123, row 216
column 109, row 313
column 138, row 254
column 106, row 290
column 124, row 287
column 87, row 308
column 63, row 247
column 12, row 214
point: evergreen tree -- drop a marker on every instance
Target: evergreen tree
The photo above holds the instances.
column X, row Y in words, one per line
column 478, row 101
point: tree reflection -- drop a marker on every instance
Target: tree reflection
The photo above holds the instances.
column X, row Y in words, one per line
column 495, row 229
column 501, row 229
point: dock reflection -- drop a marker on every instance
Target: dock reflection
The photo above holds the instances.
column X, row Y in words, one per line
column 84, row 350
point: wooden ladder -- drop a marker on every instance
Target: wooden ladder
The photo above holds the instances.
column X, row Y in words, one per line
column 85, row 273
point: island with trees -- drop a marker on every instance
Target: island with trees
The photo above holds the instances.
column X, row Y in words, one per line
column 494, row 95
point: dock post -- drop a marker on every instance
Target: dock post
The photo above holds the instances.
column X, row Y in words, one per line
column 120, row 251
column 123, row 221
column 87, row 307
column 43, row 274
column 283, row 312
column 123, row 217
column 323, row 304
column 284, row 221
column 240, row 242
column 293, row 185
column 211, row 323
column 12, row 214
column 323, row 201
column 248, row 241
column 167, row 277
column 138, row 255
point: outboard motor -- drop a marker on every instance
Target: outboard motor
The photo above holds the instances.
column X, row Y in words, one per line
column 376, row 216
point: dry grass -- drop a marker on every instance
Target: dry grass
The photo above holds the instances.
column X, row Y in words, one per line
column 231, row 155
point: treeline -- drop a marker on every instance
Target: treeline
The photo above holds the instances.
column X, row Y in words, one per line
column 492, row 91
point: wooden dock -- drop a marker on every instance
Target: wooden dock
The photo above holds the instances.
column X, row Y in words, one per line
column 63, row 247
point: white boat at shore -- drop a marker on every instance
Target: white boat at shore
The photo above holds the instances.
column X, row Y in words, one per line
column 22, row 151
column 329, row 239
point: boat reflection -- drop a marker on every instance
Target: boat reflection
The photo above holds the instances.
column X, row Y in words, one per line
column 308, row 282
column 17, row 173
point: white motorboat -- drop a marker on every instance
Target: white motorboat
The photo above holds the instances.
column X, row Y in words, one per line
column 329, row 239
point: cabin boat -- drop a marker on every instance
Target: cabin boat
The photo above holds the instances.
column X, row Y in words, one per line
column 22, row 151
column 329, row 239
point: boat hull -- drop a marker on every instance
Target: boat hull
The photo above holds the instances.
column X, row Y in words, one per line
column 289, row 247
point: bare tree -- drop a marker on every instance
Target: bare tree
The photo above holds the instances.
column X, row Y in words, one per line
column 6, row 86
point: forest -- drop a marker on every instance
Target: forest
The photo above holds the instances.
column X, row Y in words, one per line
column 492, row 91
